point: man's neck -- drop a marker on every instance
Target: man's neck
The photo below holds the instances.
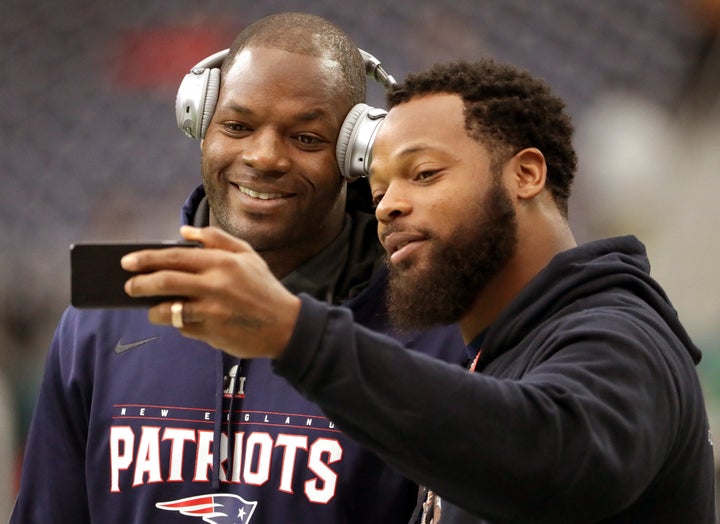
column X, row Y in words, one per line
column 534, row 252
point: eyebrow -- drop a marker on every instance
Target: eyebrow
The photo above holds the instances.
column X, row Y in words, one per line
column 411, row 150
column 237, row 108
column 407, row 152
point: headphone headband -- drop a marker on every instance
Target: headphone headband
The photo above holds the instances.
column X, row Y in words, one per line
column 373, row 66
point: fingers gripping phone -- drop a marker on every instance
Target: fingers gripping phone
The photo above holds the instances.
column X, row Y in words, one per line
column 97, row 280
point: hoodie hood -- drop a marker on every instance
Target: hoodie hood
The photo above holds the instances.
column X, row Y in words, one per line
column 596, row 274
column 195, row 211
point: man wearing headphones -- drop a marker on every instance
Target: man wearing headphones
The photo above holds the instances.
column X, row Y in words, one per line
column 138, row 424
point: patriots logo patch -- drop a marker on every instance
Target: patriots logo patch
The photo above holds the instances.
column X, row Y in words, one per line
column 218, row 508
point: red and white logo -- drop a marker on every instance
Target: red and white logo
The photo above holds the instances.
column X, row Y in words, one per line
column 218, row 508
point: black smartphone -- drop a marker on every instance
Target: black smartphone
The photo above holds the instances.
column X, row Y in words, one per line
column 97, row 279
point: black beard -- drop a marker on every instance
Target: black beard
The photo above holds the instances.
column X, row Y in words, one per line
column 456, row 271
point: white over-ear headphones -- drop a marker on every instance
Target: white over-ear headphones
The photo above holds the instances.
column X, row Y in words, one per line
column 198, row 93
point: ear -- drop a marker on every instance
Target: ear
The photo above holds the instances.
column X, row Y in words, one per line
column 530, row 173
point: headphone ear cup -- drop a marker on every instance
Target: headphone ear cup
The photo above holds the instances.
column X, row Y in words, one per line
column 344, row 136
column 353, row 149
column 195, row 101
column 211, row 97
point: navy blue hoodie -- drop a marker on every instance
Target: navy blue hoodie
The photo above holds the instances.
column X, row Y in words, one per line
column 585, row 405
column 136, row 424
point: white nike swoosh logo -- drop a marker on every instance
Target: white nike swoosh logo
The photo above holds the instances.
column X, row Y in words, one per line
column 122, row 348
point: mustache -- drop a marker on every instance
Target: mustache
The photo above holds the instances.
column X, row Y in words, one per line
column 395, row 228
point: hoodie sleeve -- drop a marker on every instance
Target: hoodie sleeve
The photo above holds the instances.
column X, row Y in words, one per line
column 52, row 486
column 593, row 414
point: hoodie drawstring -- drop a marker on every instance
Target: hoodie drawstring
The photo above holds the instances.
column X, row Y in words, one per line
column 233, row 388
column 217, row 430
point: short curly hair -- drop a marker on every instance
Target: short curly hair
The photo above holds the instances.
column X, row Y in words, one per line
column 508, row 110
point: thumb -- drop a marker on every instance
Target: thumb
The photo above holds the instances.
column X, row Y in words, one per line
column 214, row 238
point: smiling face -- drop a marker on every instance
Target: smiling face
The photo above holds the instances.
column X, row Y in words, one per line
column 445, row 218
column 268, row 157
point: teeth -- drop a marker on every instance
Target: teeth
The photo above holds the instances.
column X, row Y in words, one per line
column 261, row 196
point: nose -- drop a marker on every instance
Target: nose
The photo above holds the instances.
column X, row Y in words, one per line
column 393, row 204
column 265, row 150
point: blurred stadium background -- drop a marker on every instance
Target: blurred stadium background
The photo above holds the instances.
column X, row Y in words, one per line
column 90, row 149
